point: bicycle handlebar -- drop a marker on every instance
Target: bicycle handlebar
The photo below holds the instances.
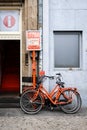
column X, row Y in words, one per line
column 50, row 77
column 40, row 80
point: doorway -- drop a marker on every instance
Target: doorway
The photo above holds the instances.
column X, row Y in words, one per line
column 9, row 66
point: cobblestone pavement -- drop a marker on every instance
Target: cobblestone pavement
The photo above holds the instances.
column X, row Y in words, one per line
column 15, row 119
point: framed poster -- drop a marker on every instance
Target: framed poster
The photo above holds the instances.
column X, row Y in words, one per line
column 33, row 40
column 9, row 20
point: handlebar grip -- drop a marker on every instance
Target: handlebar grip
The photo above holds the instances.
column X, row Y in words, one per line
column 51, row 77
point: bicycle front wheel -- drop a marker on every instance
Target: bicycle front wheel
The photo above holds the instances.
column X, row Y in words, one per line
column 75, row 105
column 29, row 103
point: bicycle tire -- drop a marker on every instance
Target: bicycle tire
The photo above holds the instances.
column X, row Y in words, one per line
column 28, row 105
column 72, row 108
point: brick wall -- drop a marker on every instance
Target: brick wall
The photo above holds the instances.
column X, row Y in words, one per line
column 29, row 22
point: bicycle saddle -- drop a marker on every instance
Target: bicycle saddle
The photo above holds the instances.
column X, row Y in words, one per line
column 60, row 83
column 58, row 74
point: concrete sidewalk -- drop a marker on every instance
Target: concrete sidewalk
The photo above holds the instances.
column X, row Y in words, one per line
column 15, row 119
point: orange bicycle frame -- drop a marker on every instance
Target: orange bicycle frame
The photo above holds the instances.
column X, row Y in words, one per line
column 54, row 95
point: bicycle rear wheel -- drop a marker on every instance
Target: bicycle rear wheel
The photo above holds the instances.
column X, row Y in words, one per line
column 29, row 103
column 75, row 105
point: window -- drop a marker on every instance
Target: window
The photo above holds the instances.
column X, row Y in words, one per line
column 67, row 47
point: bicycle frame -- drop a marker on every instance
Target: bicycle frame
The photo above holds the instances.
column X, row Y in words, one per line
column 54, row 95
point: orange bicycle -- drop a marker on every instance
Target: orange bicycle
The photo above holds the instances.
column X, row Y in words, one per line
column 68, row 98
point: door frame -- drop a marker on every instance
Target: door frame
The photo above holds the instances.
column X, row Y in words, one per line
column 15, row 36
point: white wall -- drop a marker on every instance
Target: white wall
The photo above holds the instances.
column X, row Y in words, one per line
column 66, row 15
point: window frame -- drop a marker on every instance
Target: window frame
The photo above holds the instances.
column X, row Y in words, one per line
column 80, row 33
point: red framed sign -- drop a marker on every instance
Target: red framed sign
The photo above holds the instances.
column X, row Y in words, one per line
column 33, row 40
